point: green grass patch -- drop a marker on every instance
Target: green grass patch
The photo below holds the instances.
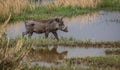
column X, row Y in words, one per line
column 109, row 5
column 20, row 47
column 64, row 42
column 45, row 12
column 48, row 12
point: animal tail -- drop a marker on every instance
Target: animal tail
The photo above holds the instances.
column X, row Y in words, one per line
column 25, row 23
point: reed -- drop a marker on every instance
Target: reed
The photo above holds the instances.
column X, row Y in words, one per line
column 79, row 3
column 13, row 6
column 11, row 53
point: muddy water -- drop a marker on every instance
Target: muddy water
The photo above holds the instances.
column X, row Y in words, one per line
column 82, row 52
column 55, row 55
column 73, row 52
column 96, row 26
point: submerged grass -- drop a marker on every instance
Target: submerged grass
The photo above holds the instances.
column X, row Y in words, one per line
column 90, row 63
column 113, row 51
column 110, row 62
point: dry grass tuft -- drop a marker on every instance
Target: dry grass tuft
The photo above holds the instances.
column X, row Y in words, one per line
column 13, row 6
column 2, row 27
column 11, row 57
column 79, row 3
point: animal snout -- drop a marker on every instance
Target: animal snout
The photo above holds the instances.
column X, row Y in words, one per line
column 65, row 29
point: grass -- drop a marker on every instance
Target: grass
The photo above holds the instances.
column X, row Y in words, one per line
column 109, row 5
column 58, row 68
column 113, row 51
column 92, row 63
column 11, row 53
column 65, row 42
column 49, row 12
column 78, row 3
column 110, row 62
column 13, row 7
column 61, row 8
column 96, row 4
column 14, row 50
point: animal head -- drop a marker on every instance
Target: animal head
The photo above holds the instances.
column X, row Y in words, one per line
column 60, row 24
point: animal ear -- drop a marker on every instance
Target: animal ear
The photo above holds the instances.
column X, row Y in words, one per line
column 57, row 19
column 61, row 18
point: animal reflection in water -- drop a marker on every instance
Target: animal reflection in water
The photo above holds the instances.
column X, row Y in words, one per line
column 46, row 55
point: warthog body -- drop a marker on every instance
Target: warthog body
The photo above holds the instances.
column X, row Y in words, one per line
column 45, row 26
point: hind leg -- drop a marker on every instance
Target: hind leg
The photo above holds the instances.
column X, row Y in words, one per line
column 30, row 34
column 24, row 33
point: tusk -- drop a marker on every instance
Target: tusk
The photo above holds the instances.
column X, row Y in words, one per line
column 64, row 28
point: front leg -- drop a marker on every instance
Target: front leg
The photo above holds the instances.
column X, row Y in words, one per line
column 56, row 35
column 46, row 34
column 24, row 33
column 30, row 34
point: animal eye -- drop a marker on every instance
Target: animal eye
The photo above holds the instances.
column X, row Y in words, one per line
column 61, row 24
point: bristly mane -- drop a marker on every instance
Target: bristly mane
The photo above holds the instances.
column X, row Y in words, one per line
column 45, row 21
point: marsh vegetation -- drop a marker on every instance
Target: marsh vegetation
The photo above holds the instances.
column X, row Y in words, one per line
column 14, row 51
column 23, row 10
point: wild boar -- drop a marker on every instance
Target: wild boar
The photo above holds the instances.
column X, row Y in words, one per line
column 45, row 26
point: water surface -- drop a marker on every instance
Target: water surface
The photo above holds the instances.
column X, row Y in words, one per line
column 96, row 26
column 56, row 55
